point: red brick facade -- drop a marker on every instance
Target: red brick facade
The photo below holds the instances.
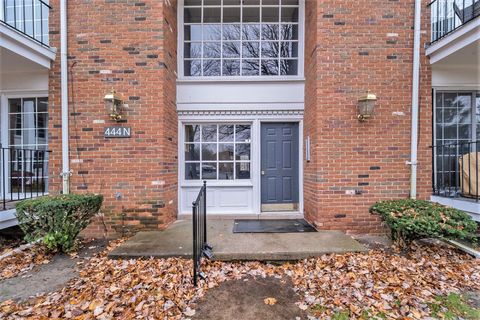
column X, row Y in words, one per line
column 129, row 46
column 350, row 46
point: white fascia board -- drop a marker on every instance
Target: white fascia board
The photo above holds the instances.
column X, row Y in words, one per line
column 26, row 47
column 458, row 39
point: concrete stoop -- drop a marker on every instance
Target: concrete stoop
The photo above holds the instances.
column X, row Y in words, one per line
column 176, row 241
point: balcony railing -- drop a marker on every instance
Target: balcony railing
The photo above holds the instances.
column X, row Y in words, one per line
column 29, row 17
column 448, row 15
column 23, row 175
column 456, row 170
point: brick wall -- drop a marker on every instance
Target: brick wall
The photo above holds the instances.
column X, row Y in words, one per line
column 361, row 45
column 129, row 46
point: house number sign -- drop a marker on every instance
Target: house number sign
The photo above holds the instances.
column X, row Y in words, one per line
column 117, row 132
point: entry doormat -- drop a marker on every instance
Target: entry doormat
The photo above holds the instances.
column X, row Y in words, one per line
column 272, row 226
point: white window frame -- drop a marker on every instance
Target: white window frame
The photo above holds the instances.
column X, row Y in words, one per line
column 301, row 53
column 4, row 124
column 183, row 162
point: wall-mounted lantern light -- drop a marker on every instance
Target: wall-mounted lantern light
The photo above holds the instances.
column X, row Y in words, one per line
column 365, row 105
column 113, row 104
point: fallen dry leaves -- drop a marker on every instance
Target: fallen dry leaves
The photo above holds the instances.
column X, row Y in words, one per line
column 391, row 284
column 20, row 262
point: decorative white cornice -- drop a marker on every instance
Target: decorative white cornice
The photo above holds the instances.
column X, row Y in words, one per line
column 241, row 113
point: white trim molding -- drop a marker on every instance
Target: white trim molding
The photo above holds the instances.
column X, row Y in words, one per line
column 26, row 47
column 457, row 40
column 279, row 113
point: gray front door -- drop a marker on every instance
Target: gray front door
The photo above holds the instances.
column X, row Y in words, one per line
column 279, row 166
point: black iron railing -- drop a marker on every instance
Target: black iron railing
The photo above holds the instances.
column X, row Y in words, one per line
column 201, row 248
column 29, row 17
column 456, row 170
column 23, row 175
column 448, row 15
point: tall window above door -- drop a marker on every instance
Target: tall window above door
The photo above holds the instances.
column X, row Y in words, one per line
column 241, row 38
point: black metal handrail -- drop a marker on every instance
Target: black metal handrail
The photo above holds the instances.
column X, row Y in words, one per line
column 448, row 15
column 201, row 248
column 30, row 17
column 456, row 170
column 23, row 175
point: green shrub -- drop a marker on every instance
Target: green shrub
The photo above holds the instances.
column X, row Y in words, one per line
column 57, row 219
column 415, row 219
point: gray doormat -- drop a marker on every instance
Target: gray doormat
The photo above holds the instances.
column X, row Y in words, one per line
column 272, row 226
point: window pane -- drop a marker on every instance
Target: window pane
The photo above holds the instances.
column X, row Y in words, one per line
column 232, row 2
column 225, row 171
column 192, row 171
column 251, row 50
column 231, row 49
column 42, row 104
column 270, row 31
column 15, row 105
column 231, row 14
column 192, row 152
column 269, row 67
column 211, row 2
column 289, row 14
column 251, row 14
column 192, row 15
column 251, row 32
column 289, row 50
column 270, row 2
column 209, row 151
column 242, row 133
column 193, row 68
column 290, row 2
column 289, row 32
column 193, row 50
column 231, row 32
column 231, row 67
column 225, row 151
column 251, row 2
column 212, row 50
column 288, row 67
column 209, row 133
column 211, row 68
column 209, row 171
column 225, row 133
column 242, row 151
column 270, row 49
column 212, row 14
column 193, row 33
column 212, row 32
column 243, row 170
column 250, row 67
column 270, row 14
column 192, row 133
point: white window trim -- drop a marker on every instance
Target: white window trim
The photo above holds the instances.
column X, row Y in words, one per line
column 4, row 125
column 301, row 53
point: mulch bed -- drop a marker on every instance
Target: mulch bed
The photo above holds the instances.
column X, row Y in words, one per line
column 376, row 283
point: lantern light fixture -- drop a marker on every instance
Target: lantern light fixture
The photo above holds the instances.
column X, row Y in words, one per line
column 366, row 105
column 113, row 104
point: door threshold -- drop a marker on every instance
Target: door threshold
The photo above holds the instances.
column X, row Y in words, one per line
column 259, row 216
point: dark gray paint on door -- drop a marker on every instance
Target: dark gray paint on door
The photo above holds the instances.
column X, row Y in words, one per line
column 279, row 163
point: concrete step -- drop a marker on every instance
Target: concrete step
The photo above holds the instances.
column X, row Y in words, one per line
column 8, row 219
column 176, row 241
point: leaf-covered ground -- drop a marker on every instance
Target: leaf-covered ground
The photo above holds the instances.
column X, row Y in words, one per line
column 356, row 285
column 16, row 263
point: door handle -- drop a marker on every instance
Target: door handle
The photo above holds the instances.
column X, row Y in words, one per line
column 263, row 173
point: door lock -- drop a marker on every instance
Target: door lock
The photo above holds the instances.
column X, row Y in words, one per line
column 263, row 173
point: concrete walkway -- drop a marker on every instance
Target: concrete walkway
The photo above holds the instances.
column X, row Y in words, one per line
column 176, row 241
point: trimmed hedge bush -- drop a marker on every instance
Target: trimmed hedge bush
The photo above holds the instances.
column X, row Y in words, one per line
column 57, row 219
column 410, row 219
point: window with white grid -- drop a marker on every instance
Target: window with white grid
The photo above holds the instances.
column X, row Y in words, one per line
column 240, row 38
column 217, row 151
